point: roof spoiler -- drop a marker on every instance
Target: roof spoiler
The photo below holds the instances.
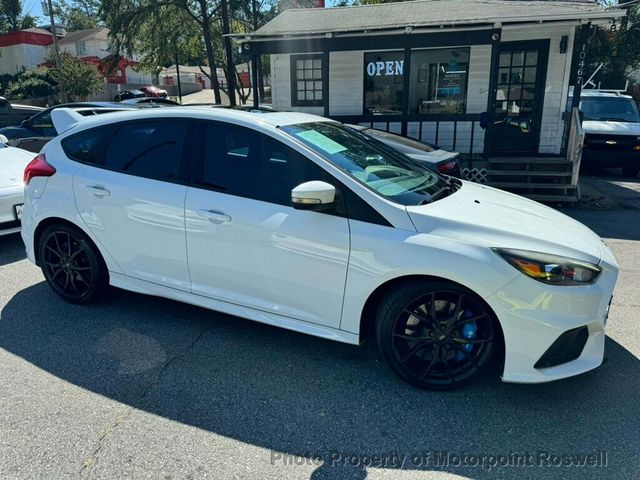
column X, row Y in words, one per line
column 65, row 118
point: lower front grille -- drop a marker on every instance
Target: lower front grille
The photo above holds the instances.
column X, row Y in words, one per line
column 567, row 347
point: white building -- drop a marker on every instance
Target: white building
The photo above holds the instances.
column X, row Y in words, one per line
column 478, row 76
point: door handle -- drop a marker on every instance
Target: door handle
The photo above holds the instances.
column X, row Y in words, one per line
column 98, row 190
column 214, row 216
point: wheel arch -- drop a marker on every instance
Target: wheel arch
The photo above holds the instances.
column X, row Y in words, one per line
column 368, row 314
column 47, row 222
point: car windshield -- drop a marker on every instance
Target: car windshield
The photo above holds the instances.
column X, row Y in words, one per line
column 404, row 144
column 610, row 109
column 382, row 169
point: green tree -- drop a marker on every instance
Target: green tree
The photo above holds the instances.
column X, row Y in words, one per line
column 78, row 14
column 616, row 48
column 76, row 80
column 131, row 20
column 12, row 18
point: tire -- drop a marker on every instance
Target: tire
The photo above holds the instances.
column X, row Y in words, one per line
column 631, row 171
column 436, row 335
column 71, row 264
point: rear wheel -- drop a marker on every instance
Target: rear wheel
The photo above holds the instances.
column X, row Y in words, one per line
column 631, row 171
column 71, row 264
column 436, row 335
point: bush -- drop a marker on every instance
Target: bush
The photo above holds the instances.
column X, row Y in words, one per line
column 33, row 83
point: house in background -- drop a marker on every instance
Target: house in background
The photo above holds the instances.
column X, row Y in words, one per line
column 92, row 46
column 24, row 49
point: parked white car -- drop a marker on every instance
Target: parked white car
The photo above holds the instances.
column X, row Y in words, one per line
column 12, row 164
column 298, row 221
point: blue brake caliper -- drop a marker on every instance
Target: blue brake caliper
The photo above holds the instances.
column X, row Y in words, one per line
column 468, row 332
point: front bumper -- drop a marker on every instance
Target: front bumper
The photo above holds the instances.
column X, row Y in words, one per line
column 534, row 316
column 610, row 158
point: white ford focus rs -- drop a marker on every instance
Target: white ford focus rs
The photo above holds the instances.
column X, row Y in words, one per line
column 299, row 222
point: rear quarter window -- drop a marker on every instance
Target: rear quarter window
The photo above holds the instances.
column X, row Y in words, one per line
column 88, row 146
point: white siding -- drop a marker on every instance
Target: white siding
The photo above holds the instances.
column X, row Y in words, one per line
column 15, row 57
column 346, row 83
column 557, row 81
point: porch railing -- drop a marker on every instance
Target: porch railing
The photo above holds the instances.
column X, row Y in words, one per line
column 457, row 132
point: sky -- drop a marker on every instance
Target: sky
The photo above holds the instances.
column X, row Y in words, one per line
column 32, row 7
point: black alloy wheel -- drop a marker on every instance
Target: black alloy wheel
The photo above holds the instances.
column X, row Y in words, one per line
column 436, row 335
column 71, row 264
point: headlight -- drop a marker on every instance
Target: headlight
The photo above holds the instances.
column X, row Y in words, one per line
column 550, row 269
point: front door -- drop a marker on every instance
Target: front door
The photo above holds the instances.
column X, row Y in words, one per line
column 517, row 106
column 246, row 244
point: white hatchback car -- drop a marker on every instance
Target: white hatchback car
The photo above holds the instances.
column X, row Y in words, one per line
column 297, row 221
column 12, row 164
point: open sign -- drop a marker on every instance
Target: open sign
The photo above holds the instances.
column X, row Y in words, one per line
column 386, row 69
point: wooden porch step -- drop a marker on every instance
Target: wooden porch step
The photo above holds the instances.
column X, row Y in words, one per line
column 531, row 185
column 541, row 197
column 528, row 173
column 551, row 161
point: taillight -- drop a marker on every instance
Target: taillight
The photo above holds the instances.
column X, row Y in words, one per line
column 38, row 167
column 445, row 167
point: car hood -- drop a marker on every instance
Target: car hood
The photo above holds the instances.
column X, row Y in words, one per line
column 436, row 156
column 611, row 128
column 493, row 218
column 13, row 161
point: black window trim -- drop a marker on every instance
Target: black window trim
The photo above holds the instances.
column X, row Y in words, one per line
column 294, row 85
column 359, row 210
column 185, row 154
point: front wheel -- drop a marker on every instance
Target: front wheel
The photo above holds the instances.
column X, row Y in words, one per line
column 435, row 335
column 71, row 264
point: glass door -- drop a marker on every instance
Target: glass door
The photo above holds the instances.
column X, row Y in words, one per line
column 518, row 103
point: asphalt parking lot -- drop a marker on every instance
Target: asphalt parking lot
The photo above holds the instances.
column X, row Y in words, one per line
column 144, row 388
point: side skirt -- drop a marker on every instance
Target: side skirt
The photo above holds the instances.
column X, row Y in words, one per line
column 140, row 286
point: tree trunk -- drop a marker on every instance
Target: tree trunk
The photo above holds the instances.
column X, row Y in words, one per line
column 206, row 34
column 231, row 68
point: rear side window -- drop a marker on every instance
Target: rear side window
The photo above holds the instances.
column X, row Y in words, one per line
column 89, row 146
column 150, row 149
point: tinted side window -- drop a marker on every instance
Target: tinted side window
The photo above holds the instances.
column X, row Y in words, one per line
column 88, row 147
column 284, row 169
column 42, row 125
column 151, row 149
column 243, row 162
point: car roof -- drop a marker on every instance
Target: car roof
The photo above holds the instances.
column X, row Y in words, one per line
column 273, row 119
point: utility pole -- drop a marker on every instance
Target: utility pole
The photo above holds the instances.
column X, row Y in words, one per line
column 257, row 62
column 56, row 52
column 178, row 77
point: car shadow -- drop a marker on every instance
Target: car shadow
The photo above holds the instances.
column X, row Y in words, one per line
column 11, row 249
column 307, row 399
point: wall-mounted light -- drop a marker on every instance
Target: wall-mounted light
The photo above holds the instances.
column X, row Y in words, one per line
column 564, row 43
column 408, row 29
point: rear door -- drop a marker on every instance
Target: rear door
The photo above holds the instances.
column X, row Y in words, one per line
column 247, row 245
column 132, row 196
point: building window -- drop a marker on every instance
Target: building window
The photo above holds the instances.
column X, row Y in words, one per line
column 81, row 49
column 383, row 82
column 438, row 82
column 306, row 80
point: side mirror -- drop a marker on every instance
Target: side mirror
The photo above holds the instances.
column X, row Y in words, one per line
column 314, row 195
column 4, row 139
